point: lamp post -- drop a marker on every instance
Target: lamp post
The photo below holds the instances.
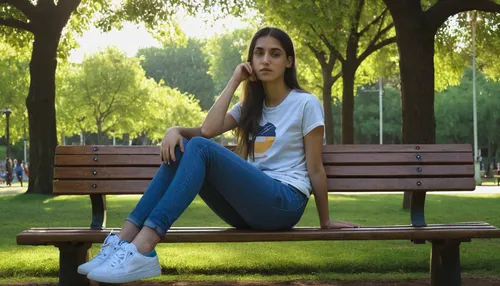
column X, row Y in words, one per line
column 7, row 111
column 82, row 137
column 380, row 92
column 24, row 127
column 477, row 172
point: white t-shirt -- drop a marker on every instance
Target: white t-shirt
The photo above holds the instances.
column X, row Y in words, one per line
column 279, row 145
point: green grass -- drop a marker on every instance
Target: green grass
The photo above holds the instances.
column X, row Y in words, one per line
column 339, row 260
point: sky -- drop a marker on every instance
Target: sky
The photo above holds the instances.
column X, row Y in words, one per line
column 133, row 37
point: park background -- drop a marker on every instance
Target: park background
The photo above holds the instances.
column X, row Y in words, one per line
column 171, row 59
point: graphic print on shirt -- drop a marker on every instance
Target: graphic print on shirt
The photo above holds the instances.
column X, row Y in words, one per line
column 264, row 139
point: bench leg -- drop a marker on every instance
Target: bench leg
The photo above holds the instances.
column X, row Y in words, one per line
column 70, row 257
column 98, row 211
column 417, row 206
column 445, row 263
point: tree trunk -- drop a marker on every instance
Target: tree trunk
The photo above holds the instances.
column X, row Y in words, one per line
column 100, row 136
column 416, row 51
column 417, row 62
column 41, row 109
column 145, row 139
column 327, row 106
column 348, row 73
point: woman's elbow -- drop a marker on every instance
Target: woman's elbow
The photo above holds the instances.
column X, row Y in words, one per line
column 316, row 170
column 207, row 132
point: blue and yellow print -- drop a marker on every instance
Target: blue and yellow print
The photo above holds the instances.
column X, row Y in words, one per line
column 264, row 139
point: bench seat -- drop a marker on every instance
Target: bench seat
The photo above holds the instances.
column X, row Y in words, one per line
column 461, row 231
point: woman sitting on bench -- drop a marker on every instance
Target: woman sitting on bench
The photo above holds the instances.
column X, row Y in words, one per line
column 280, row 131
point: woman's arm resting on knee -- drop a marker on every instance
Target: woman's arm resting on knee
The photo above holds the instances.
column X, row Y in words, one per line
column 174, row 136
column 313, row 142
column 190, row 132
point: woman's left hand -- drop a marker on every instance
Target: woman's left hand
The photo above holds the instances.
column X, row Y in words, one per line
column 337, row 224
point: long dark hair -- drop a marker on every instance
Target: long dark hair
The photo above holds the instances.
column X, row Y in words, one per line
column 253, row 91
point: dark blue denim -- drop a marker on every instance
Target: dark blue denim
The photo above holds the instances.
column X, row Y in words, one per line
column 239, row 193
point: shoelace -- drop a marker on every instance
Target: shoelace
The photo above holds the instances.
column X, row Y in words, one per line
column 119, row 257
column 102, row 254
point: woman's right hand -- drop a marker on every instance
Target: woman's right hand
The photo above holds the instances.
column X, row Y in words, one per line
column 171, row 139
column 243, row 72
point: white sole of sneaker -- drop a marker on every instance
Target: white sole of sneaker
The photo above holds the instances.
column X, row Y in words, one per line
column 82, row 271
column 146, row 273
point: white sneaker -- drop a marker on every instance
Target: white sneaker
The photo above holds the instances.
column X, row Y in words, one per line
column 109, row 247
column 126, row 265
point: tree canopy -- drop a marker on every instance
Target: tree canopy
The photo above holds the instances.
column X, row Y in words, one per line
column 51, row 26
column 182, row 67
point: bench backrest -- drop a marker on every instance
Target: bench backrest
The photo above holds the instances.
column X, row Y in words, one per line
column 101, row 170
column 349, row 168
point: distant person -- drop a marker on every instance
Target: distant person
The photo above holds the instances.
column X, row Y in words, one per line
column 266, row 186
column 18, row 169
column 8, row 171
column 26, row 169
column 3, row 175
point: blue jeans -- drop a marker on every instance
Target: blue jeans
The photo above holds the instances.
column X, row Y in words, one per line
column 239, row 193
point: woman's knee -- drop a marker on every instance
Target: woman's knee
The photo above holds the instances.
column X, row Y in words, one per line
column 198, row 142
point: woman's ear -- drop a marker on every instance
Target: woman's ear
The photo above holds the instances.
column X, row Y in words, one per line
column 289, row 62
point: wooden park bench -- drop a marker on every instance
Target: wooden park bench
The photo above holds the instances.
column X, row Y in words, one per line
column 496, row 177
column 101, row 170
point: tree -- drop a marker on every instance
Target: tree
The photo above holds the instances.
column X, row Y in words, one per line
column 366, row 115
column 162, row 108
column 181, row 67
column 336, row 32
column 14, row 83
column 416, row 26
column 454, row 116
column 72, row 114
column 224, row 52
column 42, row 22
column 487, row 43
column 108, row 85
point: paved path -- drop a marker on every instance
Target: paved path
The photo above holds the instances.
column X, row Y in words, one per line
column 14, row 190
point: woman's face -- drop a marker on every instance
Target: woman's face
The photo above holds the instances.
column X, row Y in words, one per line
column 269, row 59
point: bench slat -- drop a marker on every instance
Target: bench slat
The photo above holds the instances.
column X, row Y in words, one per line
column 396, row 158
column 102, row 173
column 456, row 224
column 107, row 160
column 398, row 148
column 397, row 185
column 73, row 187
column 116, row 150
column 105, row 173
column 77, row 187
column 51, row 236
column 400, row 171
column 366, row 148
column 328, row 159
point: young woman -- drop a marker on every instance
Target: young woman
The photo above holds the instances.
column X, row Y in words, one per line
column 280, row 136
